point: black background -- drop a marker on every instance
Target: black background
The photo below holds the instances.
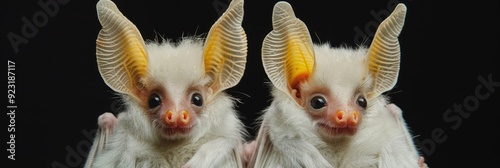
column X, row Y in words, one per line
column 445, row 49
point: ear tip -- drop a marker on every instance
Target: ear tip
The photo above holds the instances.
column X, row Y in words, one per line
column 402, row 6
column 236, row 4
column 282, row 6
column 398, row 15
column 235, row 7
column 401, row 9
column 103, row 5
column 282, row 12
column 282, row 3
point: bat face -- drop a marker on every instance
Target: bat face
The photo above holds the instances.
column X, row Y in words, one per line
column 175, row 119
column 335, row 100
column 328, row 109
column 173, row 85
column 333, row 85
column 176, row 91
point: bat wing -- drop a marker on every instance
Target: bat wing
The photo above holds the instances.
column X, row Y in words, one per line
column 263, row 155
column 398, row 114
column 238, row 157
column 401, row 151
column 106, row 123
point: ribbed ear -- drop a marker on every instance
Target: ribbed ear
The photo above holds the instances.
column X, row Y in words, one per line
column 287, row 51
column 121, row 56
column 384, row 52
column 225, row 50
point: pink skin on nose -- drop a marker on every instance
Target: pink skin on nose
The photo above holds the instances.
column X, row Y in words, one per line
column 341, row 119
column 177, row 119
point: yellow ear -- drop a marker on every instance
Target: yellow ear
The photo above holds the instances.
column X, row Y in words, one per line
column 384, row 52
column 287, row 52
column 121, row 56
column 225, row 50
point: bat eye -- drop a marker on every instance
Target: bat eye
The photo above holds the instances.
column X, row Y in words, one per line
column 361, row 102
column 318, row 102
column 197, row 99
column 154, row 101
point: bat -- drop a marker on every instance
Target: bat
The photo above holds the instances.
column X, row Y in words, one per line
column 177, row 113
column 328, row 107
column 249, row 147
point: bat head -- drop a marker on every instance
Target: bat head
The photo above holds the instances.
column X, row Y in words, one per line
column 335, row 86
column 173, row 85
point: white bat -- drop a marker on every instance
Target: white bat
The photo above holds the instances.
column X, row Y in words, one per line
column 177, row 112
column 328, row 107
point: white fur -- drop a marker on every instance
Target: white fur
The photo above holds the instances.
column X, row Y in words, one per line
column 176, row 65
column 293, row 141
column 135, row 141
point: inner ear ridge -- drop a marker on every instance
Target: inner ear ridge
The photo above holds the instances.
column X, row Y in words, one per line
column 287, row 52
column 384, row 52
column 225, row 49
column 121, row 55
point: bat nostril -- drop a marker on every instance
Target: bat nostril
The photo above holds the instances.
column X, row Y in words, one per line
column 339, row 118
column 169, row 115
column 170, row 118
column 185, row 117
column 340, row 115
column 354, row 119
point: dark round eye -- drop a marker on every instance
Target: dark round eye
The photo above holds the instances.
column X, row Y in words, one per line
column 154, row 101
column 196, row 99
column 318, row 102
column 361, row 102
